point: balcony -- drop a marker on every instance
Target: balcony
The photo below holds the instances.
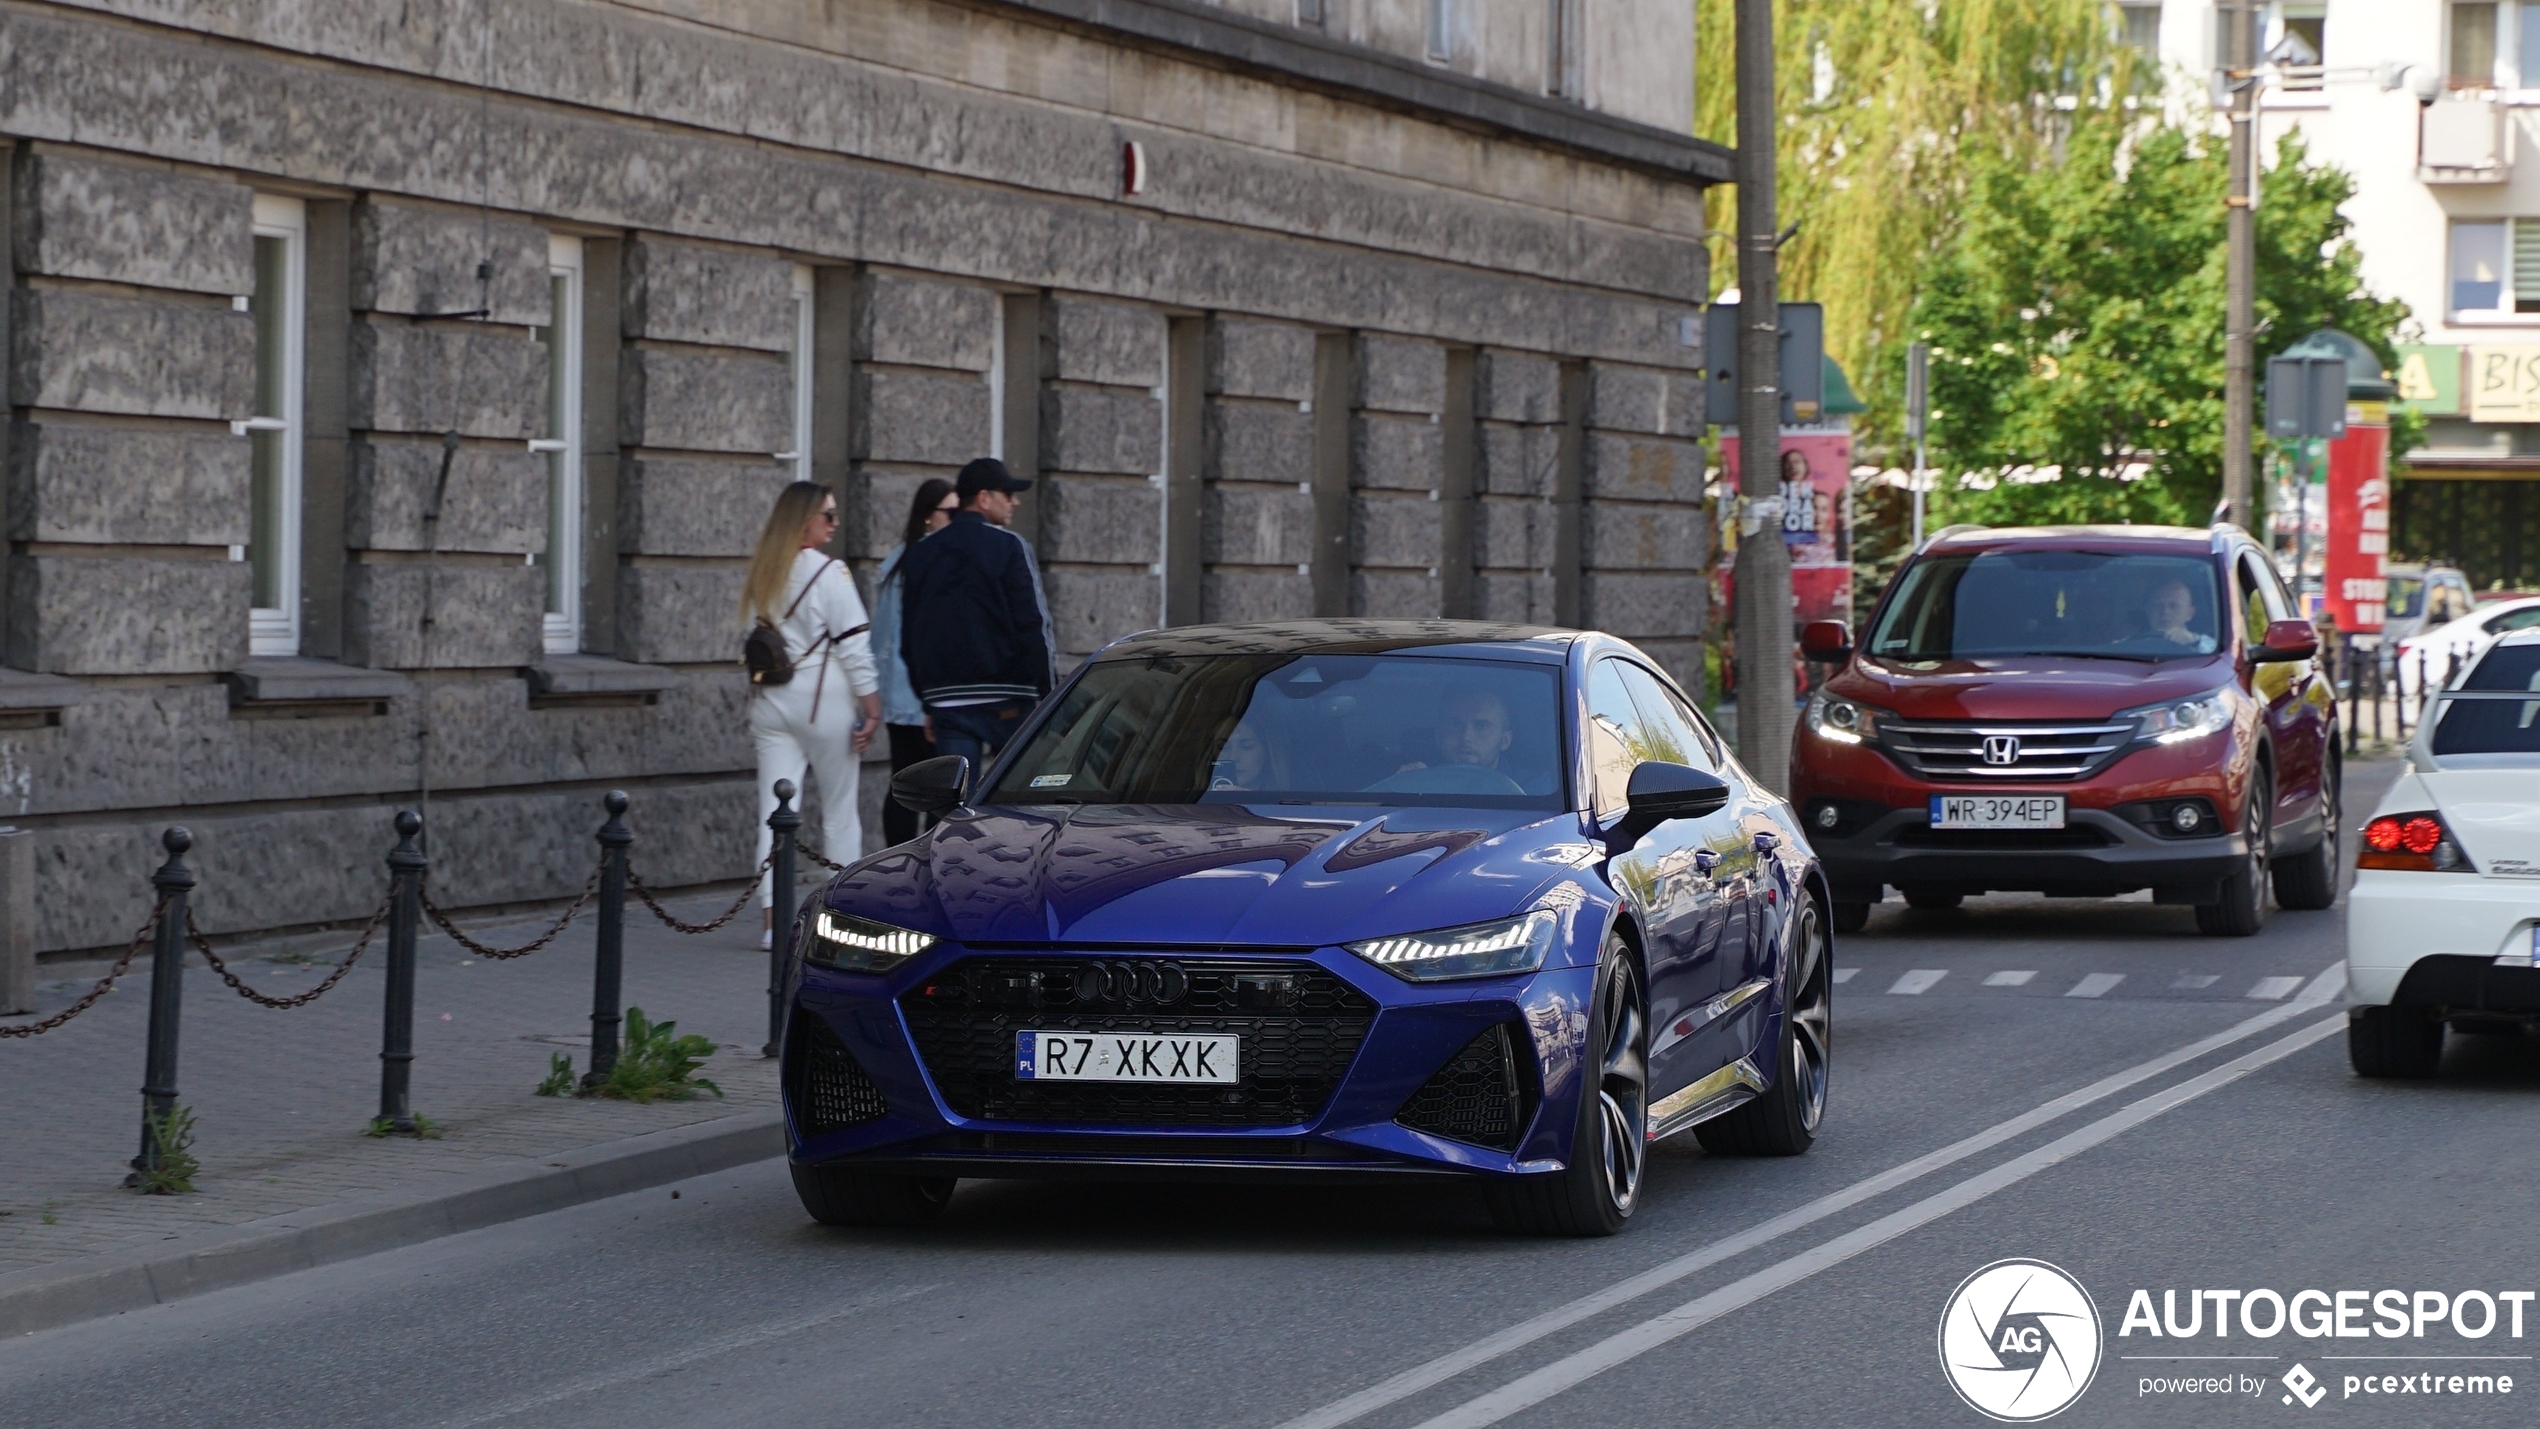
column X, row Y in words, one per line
column 2464, row 139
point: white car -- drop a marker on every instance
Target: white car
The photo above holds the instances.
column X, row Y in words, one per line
column 2445, row 913
column 2432, row 654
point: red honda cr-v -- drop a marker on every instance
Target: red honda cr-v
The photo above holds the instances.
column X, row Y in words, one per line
column 2079, row 711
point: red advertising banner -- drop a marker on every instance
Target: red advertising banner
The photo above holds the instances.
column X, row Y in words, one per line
column 1816, row 471
column 2358, row 520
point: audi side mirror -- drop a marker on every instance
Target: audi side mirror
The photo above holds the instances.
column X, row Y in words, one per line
column 1660, row 791
column 1826, row 640
column 2286, row 640
column 930, row 786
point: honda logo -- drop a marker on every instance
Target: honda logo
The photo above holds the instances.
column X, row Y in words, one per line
column 2001, row 749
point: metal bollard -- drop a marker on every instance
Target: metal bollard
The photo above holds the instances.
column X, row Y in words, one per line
column 405, row 914
column 780, row 827
column 2354, row 687
column 608, row 973
column 167, row 997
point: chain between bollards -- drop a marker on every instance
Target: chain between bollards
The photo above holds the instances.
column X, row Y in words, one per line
column 406, row 865
column 608, row 971
column 781, row 826
column 167, row 1000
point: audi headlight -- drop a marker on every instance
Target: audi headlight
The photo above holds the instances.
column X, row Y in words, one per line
column 842, row 940
column 2182, row 720
column 1841, row 720
column 1506, row 945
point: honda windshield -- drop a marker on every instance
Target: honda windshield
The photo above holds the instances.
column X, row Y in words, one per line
column 2093, row 604
column 1384, row 730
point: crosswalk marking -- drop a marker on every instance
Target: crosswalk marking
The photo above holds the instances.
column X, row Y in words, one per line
column 2096, row 985
column 2275, row 989
column 2192, row 981
column 1918, row 981
column 2010, row 979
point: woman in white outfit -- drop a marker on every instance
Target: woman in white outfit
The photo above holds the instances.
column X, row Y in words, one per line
column 824, row 716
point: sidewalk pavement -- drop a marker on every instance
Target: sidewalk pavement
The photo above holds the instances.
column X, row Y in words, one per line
column 282, row 1100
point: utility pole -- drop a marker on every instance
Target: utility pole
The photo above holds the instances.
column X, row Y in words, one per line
column 1764, row 696
column 1917, row 422
column 2240, row 340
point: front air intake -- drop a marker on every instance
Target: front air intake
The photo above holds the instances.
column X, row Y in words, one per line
column 826, row 1087
column 1479, row 1097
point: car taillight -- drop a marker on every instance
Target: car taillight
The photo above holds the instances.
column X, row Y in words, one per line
column 2416, row 842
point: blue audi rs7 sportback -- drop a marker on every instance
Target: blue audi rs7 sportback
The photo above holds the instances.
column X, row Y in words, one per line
column 1326, row 899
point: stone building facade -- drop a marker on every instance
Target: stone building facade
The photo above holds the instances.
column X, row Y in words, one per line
column 397, row 390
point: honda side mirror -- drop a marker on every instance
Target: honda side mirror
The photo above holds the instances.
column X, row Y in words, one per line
column 930, row 786
column 1660, row 791
column 1826, row 640
column 2286, row 640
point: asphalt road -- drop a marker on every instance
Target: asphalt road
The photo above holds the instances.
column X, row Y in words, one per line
column 2147, row 1109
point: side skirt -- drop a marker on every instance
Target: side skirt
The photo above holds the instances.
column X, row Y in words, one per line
column 1723, row 1090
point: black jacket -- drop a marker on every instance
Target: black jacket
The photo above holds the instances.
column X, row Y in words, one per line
column 973, row 625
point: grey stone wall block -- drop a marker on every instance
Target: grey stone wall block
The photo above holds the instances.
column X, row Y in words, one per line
column 88, row 352
column 157, row 486
column 1104, row 520
column 1259, row 441
column 495, row 501
column 1522, row 599
column 722, row 297
column 1257, row 526
column 410, row 259
column 75, row 615
column 1517, row 461
column 81, row 217
column 1629, row 536
column 482, row 615
column 1512, row 535
column 924, row 322
column 1688, row 408
column 1681, row 659
column 134, row 747
column 1090, row 607
column 1084, row 429
column 1635, row 605
column 1645, row 399
column 1114, row 344
column 485, row 733
column 1401, row 374
column 690, row 400
column 934, row 418
column 696, row 508
column 1393, row 531
column 1519, row 387
column 680, row 612
column 873, row 525
column 1256, row 595
column 1404, row 453
column 484, row 381
column 1261, row 359
column 1644, row 468
column 1394, row 595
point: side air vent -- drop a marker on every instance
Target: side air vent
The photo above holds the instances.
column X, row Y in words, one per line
column 1480, row 1096
column 828, row 1089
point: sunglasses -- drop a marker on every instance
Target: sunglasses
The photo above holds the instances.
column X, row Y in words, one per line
column 830, row 515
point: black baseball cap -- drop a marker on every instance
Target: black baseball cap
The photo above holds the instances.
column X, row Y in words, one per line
column 987, row 474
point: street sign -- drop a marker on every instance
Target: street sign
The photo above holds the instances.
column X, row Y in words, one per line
column 1803, row 362
column 2306, row 397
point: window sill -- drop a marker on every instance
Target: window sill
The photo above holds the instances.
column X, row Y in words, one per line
column 297, row 687
column 587, row 681
column 32, row 701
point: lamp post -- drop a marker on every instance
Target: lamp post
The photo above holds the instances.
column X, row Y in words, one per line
column 1764, row 714
column 2240, row 319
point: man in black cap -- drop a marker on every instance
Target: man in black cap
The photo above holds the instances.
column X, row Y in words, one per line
column 974, row 629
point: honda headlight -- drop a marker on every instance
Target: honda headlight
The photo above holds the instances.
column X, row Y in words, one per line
column 2182, row 720
column 842, row 940
column 1841, row 720
column 1507, row 945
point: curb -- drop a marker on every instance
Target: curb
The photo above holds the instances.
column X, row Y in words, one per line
column 70, row 1291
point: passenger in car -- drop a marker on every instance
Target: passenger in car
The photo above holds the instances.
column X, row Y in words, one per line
column 1244, row 763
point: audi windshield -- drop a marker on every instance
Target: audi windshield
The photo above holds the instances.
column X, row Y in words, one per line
column 2004, row 604
column 1381, row 730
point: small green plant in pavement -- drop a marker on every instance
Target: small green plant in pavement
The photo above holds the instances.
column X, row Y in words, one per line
column 657, row 1064
column 382, row 1127
column 559, row 1082
column 173, row 1170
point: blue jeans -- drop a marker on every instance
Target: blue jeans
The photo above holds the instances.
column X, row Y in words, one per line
column 977, row 732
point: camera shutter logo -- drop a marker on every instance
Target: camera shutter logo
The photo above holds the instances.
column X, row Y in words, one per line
column 2001, row 749
column 2019, row 1340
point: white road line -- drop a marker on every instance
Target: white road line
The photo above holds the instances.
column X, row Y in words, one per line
column 702, row 1350
column 2021, row 978
column 2274, row 989
column 1844, row 975
column 1918, row 982
column 2096, row 985
column 1572, row 1370
column 2192, row 981
column 2323, row 989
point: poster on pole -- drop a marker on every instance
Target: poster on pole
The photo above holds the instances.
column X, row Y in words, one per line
column 1816, row 473
column 2352, row 584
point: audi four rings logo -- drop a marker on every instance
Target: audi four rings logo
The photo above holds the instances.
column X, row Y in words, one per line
column 2001, row 749
column 1163, row 983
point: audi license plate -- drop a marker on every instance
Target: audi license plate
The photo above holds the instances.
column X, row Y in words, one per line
column 1997, row 811
column 1124, row 1057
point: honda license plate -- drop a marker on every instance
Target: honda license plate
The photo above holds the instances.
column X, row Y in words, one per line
column 1124, row 1057
column 1997, row 811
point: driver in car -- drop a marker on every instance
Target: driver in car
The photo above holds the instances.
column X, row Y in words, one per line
column 2167, row 608
column 1472, row 730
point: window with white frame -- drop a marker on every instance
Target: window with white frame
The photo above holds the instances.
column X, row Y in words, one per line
column 276, row 432
column 2298, row 43
column 1441, row 23
column 1563, row 69
column 797, row 456
column 2480, row 282
column 2139, row 29
column 562, row 558
column 2471, row 45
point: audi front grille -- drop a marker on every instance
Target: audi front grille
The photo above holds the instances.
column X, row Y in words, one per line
column 1933, row 750
column 1300, row 1027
